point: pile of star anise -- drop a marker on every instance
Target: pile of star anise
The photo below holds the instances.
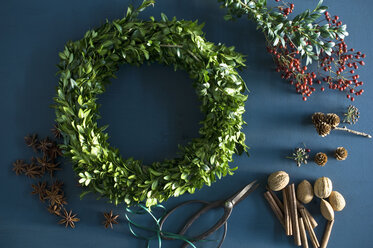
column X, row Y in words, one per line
column 50, row 191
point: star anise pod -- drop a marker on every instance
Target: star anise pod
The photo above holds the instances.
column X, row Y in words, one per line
column 33, row 170
column 110, row 219
column 56, row 132
column 68, row 219
column 57, row 186
column 32, row 141
column 54, row 151
column 45, row 145
column 54, row 209
column 19, row 167
column 55, row 197
column 47, row 165
column 40, row 189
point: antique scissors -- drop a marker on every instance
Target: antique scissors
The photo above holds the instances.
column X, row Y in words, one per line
column 227, row 205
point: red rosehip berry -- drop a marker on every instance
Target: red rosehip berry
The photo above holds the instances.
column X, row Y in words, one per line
column 322, row 89
column 308, row 150
column 304, row 98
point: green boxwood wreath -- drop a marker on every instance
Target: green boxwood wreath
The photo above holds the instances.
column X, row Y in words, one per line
column 85, row 69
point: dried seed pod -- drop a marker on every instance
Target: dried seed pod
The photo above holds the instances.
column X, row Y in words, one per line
column 323, row 129
column 278, row 180
column 341, row 153
column 326, row 210
column 332, row 119
column 323, row 187
column 321, row 158
column 305, row 192
column 337, row 201
column 318, row 117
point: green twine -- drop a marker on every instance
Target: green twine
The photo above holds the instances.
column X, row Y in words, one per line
column 158, row 233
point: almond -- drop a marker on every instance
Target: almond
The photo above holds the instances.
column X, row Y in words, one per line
column 326, row 210
column 305, row 192
column 337, row 201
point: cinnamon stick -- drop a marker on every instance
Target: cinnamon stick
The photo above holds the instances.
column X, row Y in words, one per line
column 288, row 227
column 303, row 234
column 308, row 226
column 276, row 210
column 327, row 232
column 310, row 217
column 277, row 200
column 294, row 215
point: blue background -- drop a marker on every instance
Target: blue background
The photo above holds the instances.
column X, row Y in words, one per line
column 151, row 109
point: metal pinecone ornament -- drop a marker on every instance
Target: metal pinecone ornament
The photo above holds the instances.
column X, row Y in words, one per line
column 341, row 153
column 321, row 158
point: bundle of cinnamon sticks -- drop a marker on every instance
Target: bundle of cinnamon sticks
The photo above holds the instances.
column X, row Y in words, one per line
column 295, row 218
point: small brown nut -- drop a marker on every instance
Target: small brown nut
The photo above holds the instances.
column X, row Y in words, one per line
column 337, row 201
column 305, row 192
column 323, row 187
column 326, row 210
column 278, row 180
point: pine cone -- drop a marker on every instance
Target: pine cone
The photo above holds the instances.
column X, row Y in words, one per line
column 341, row 153
column 318, row 117
column 323, row 129
column 321, row 158
column 332, row 119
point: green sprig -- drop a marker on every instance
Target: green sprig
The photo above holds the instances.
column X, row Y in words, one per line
column 303, row 30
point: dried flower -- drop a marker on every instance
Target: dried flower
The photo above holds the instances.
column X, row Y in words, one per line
column 57, row 186
column 300, row 155
column 19, row 167
column 47, row 165
column 40, row 189
column 54, row 209
column 45, row 145
column 352, row 115
column 110, row 219
column 32, row 141
column 33, row 170
column 54, row 151
column 55, row 197
column 56, row 132
column 68, row 219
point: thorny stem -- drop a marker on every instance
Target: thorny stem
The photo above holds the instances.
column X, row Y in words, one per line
column 353, row 131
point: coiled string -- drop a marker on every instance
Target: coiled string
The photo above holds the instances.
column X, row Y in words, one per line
column 157, row 229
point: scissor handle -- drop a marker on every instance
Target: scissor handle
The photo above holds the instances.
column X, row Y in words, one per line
column 174, row 209
column 195, row 216
column 216, row 226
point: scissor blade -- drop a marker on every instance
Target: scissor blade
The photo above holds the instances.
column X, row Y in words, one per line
column 243, row 193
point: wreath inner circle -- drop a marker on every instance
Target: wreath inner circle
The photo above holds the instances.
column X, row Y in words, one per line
column 86, row 67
